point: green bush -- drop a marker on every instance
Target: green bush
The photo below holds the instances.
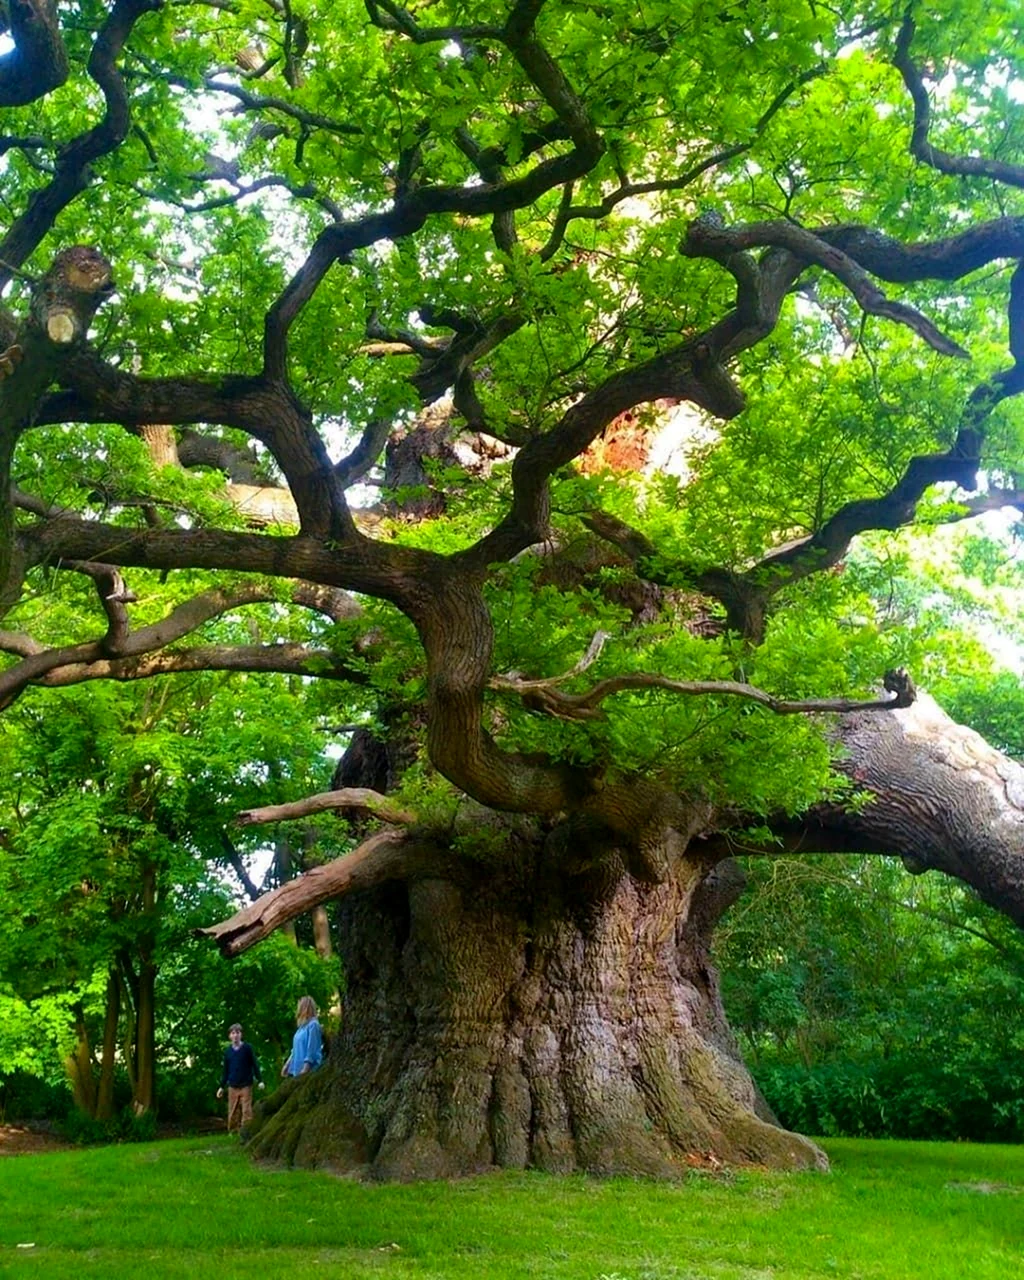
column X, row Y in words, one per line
column 125, row 1127
column 25, row 1096
column 977, row 1100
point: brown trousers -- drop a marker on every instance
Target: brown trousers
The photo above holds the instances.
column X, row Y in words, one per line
column 239, row 1107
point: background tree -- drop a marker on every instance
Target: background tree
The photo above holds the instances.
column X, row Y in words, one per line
column 118, row 842
column 471, row 246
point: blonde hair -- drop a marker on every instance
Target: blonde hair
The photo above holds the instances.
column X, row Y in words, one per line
column 306, row 1010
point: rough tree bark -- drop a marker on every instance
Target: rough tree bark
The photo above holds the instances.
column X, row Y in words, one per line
column 942, row 798
column 525, row 1001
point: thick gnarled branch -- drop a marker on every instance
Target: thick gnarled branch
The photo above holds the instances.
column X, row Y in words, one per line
column 706, row 239
column 73, row 171
column 125, row 655
column 38, row 63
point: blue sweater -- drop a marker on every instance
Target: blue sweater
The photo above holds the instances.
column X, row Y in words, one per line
column 240, row 1066
column 307, row 1049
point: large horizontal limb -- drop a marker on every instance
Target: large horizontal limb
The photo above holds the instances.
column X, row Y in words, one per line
column 746, row 593
column 384, row 570
column 950, row 258
column 79, row 664
column 97, row 392
column 123, row 654
column 941, row 798
column 706, row 239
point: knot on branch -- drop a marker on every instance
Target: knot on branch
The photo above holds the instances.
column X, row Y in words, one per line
column 9, row 360
column 899, row 682
column 67, row 297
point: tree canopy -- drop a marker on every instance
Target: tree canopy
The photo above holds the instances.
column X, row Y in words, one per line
column 544, row 385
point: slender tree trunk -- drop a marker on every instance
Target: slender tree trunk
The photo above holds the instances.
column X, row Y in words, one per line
column 322, row 932
column 530, row 1003
column 128, row 988
column 283, row 858
column 78, row 1065
column 105, row 1096
column 144, row 1092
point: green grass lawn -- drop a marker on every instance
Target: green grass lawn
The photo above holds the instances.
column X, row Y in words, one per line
column 197, row 1207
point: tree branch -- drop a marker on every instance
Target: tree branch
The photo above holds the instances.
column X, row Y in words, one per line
column 122, row 654
column 73, row 172
column 375, row 804
column 629, row 190
column 705, row 239
column 237, row 865
column 336, row 243
column 249, row 101
column 941, row 798
column 38, row 63
column 62, row 306
column 282, row 659
column 541, row 695
column 387, row 855
column 920, row 147
column 392, row 17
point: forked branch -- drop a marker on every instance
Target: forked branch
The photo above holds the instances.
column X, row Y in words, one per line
column 706, row 239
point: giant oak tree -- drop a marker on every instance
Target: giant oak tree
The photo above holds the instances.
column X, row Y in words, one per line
column 377, row 319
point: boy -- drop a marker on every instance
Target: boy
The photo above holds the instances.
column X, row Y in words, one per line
column 240, row 1068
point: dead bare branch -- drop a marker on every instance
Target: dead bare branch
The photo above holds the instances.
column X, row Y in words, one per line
column 541, row 695
column 372, row 802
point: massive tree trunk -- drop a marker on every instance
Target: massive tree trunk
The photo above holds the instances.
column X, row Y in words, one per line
column 525, row 1001
column 527, row 995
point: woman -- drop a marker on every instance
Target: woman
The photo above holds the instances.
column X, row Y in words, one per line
column 307, row 1044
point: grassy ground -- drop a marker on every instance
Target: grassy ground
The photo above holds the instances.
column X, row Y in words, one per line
column 197, row 1207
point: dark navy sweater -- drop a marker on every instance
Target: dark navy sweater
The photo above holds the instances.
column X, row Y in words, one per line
column 240, row 1067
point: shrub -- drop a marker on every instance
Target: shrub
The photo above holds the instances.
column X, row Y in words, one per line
column 978, row 1100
